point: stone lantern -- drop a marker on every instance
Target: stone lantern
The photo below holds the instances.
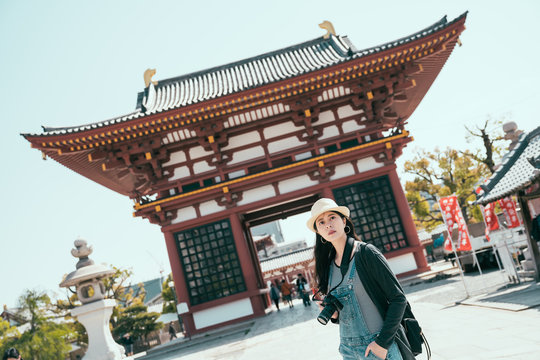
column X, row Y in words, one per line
column 95, row 311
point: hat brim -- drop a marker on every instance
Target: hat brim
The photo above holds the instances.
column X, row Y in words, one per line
column 340, row 209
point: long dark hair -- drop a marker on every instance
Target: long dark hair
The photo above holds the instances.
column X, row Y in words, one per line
column 11, row 353
column 324, row 253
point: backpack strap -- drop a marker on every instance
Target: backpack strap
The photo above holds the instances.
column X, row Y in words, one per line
column 361, row 263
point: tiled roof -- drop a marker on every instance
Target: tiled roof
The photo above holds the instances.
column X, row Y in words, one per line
column 151, row 287
column 247, row 74
column 287, row 260
column 516, row 171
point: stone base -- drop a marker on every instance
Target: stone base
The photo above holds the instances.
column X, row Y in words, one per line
column 95, row 318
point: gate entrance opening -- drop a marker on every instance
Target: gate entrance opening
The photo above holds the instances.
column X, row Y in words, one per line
column 281, row 211
column 281, row 253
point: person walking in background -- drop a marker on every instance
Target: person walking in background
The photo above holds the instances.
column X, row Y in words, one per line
column 127, row 341
column 355, row 279
column 12, row 354
column 286, row 292
column 303, row 289
column 274, row 294
column 172, row 331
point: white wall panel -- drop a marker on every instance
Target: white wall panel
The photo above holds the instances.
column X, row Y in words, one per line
column 247, row 154
column 402, row 264
column 368, row 164
column 184, row 214
column 280, row 129
column 351, row 126
column 284, row 144
column 180, row 172
column 210, row 207
column 329, row 132
column 295, row 183
column 202, row 166
column 347, row 110
column 325, row 117
column 222, row 313
column 198, row 151
column 176, row 157
column 244, row 139
column 260, row 193
column 342, row 171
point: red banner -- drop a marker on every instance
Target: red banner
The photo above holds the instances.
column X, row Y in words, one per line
column 509, row 207
column 448, row 244
column 490, row 218
column 453, row 217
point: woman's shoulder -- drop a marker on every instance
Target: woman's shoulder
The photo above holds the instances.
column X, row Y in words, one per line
column 364, row 246
column 368, row 251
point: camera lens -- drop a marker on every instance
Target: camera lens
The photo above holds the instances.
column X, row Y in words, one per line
column 326, row 314
column 331, row 305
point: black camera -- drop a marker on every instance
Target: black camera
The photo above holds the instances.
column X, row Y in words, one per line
column 331, row 304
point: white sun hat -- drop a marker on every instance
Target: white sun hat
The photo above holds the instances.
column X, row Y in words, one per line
column 323, row 205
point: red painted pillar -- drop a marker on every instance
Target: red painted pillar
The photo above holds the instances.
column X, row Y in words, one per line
column 327, row 193
column 247, row 263
column 180, row 286
column 408, row 222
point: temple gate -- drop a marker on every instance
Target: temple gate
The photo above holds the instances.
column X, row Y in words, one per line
column 209, row 154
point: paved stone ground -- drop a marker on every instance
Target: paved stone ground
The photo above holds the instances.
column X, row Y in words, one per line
column 503, row 324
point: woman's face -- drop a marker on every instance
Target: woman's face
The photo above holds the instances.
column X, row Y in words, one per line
column 330, row 226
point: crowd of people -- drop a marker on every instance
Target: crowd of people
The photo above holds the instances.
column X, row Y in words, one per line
column 285, row 291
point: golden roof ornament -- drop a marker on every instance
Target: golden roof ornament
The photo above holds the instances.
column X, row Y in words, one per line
column 327, row 25
column 148, row 77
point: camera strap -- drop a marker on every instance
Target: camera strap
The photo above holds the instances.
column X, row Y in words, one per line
column 344, row 266
column 345, row 261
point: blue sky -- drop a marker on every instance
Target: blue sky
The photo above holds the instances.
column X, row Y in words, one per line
column 70, row 63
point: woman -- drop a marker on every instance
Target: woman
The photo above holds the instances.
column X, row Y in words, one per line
column 368, row 325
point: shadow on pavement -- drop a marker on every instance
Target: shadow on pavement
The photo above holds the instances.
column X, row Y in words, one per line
column 272, row 321
column 513, row 298
column 441, row 287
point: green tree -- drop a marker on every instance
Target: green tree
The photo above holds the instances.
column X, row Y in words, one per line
column 169, row 300
column 136, row 320
column 8, row 334
column 45, row 339
column 116, row 286
column 437, row 174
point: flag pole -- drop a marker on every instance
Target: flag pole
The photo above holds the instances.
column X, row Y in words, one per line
column 453, row 249
column 516, row 277
column 472, row 247
column 482, row 209
column 495, row 252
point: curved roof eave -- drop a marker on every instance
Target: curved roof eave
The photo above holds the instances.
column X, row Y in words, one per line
column 332, row 51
